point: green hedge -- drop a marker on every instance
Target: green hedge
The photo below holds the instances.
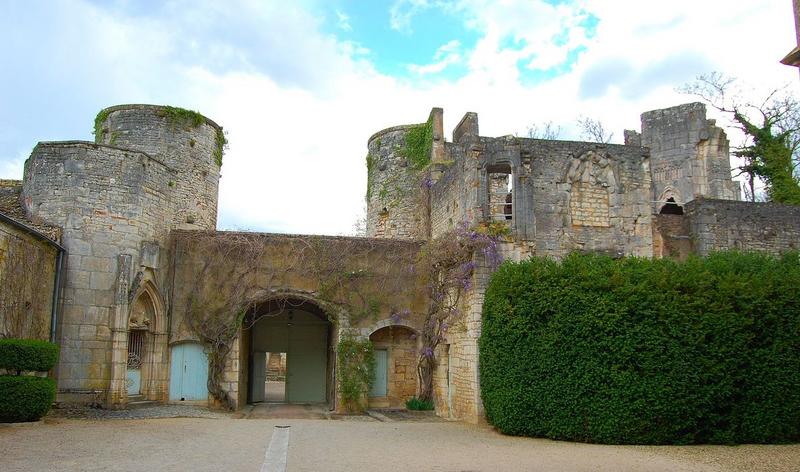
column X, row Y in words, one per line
column 644, row 351
column 25, row 398
column 27, row 355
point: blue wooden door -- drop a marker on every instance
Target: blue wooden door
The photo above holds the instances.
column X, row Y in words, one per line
column 133, row 380
column 381, row 371
column 188, row 377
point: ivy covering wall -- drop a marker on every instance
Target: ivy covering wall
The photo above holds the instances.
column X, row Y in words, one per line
column 644, row 351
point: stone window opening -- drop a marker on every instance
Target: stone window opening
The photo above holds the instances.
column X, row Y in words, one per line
column 501, row 193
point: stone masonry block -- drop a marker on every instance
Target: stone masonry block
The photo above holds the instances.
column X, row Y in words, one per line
column 102, row 281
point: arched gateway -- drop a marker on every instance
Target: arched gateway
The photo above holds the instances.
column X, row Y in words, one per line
column 287, row 352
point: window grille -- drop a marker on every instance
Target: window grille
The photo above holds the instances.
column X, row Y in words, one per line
column 135, row 348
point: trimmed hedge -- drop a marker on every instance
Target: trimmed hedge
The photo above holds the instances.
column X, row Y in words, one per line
column 27, row 355
column 640, row 351
column 25, row 398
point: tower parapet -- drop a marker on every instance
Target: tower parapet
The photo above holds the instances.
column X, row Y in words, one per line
column 394, row 189
column 184, row 140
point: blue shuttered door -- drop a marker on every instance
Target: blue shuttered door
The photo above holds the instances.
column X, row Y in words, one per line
column 188, row 373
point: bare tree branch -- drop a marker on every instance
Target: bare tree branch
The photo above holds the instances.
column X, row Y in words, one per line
column 593, row 130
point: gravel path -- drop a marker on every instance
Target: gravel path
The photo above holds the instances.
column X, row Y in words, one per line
column 157, row 411
column 199, row 444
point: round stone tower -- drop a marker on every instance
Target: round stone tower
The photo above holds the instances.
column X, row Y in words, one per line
column 185, row 141
column 396, row 206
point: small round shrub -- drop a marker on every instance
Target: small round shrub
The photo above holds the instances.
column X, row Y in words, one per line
column 25, row 398
column 27, row 355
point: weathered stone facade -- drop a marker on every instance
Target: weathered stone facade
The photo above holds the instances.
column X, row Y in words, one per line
column 136, row 213
column 689, row 155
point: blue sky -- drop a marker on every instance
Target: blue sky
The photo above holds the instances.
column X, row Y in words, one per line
column 299, row 86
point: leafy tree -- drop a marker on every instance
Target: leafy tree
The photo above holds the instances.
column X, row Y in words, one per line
column 772, row 134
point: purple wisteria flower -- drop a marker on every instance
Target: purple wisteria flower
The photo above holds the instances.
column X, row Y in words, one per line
column 466, row 284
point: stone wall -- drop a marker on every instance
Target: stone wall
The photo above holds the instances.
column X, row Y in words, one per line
column 375, row 277
column 109, row 202
column 717, row 225
column 671, row 237
column 457, row 379
column 184, row 146
column 689, row 155
column 454, row 195
column 588, row 197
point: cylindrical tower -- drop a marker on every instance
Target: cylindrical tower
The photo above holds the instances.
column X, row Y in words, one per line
column 396, row 200
column 184, row 140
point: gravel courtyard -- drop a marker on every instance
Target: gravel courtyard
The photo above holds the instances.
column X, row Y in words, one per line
column 344, row 444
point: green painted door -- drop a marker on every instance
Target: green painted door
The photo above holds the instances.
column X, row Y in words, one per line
column 381, row 370
column 258, row 369
column 306, row 363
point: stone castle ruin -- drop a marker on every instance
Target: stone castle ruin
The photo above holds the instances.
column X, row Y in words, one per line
column 123, row 255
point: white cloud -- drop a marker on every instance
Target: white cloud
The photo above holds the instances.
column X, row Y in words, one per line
column 343, row 21
column 447, row 55
column 299, row 104
column 403, row 11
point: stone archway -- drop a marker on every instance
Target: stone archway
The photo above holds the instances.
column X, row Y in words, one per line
column 670, row 202
column 139, row 349
column 395, row 348
column 302, row 332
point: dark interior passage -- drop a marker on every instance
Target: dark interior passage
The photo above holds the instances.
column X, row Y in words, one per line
column 289, row 357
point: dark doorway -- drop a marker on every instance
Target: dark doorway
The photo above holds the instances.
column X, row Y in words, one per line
column 289, row 354
column 671, row 208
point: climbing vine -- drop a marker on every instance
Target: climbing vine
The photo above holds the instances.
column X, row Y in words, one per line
column 99, row 119
column 447, row 264
column 356, row 367
column 370, row 175
column 26, row 275
column 220, row 144
column 417, row 149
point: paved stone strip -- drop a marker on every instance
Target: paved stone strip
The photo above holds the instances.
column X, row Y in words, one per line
column 276, row 455
column 379, row 416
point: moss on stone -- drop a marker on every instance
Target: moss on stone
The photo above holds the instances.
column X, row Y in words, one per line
column 370, row 179
column 419, row 141
column 99, row 132
column 220, row 143
column 182, row 117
